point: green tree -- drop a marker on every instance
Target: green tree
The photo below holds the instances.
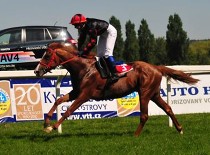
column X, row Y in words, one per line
column 199, row 57
column 159, row 56
column 146, row 41
column 131, row 43
column 177, row 42
column 119, row 44
column 199, row 52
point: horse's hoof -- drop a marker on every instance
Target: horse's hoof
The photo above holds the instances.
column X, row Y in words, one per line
column 46, row 125
column 181, row 132
column 136, row 134
column 48, row 129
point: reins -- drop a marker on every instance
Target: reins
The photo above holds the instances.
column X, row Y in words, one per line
column 48, row 66
column 62, row 63
column 53, row 58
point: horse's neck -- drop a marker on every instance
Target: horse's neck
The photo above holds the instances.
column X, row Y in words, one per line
column 79, row 66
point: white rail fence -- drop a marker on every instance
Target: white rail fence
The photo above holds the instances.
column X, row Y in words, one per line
column 59, row 74
column 194, row 70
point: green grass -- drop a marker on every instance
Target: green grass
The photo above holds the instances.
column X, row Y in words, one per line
column 111, row 136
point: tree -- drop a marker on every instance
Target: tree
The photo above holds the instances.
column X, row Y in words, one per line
column 146, row 41
column 131, row 43
column 159, row 56
column 177, row 42
column 119, row 44
column 199, row 52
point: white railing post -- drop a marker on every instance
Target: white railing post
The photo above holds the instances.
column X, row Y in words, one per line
column 57, row 91
column 169, row 98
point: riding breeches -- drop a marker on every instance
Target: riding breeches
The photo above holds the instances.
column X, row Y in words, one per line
column 106, row 42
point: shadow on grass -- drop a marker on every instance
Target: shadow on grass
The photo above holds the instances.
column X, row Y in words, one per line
column 41, row 136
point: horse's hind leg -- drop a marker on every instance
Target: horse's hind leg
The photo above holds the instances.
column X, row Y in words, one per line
column 143, row 116
column 65, row 98
column 163, row 105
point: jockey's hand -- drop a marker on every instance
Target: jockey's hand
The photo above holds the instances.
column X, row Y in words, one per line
column 80, row 53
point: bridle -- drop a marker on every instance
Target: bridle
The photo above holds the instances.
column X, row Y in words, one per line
column 48, row 66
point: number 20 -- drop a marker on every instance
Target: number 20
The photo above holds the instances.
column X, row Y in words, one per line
column 28, row 95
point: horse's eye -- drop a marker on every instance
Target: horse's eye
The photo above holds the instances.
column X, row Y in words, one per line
column 47, row 57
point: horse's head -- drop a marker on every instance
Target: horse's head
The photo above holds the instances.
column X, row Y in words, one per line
column 53, row 57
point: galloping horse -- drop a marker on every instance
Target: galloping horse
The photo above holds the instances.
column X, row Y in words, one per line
column 87, row 83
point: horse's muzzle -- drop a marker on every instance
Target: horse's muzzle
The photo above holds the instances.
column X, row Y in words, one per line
column 37, row 73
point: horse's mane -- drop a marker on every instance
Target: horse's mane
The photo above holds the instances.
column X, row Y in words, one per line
column 70, row 48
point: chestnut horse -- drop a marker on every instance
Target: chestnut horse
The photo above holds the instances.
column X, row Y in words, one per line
column 88, row 84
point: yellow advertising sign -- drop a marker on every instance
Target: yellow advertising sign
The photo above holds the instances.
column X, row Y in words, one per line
column 28, row 102
column 5, row 101
column 128, row 104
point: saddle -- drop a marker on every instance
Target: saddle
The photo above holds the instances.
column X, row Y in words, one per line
column 121, row 68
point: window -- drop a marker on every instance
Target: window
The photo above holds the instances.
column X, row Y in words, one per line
column 60, row 34
column 47, row 35
column 54, row 33
column 10, row 37
column 34, row 34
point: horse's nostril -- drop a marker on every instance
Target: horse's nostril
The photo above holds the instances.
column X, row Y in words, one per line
column 36, row 72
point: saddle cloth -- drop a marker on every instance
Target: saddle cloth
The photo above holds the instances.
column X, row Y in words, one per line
column 123, row 68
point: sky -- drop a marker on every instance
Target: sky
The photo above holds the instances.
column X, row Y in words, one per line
column 195, row 15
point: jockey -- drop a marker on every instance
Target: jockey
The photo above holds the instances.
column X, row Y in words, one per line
column 107, row 37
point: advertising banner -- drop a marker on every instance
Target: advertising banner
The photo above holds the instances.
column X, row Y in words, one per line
column 28, row 101
column 24, row 99
column 31, row 99
column 5, row 101
column 185, row 98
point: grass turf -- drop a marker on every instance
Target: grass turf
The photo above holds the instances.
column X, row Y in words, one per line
column 109, row 136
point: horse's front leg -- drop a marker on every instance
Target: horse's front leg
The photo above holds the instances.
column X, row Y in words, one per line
column 65, row 98
column 76, row 104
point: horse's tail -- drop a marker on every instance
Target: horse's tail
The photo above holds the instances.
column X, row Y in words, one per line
column 177, row 75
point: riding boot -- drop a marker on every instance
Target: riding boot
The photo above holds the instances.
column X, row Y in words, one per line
column 111, row 65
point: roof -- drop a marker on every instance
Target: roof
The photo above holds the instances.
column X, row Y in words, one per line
column 34, row 26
